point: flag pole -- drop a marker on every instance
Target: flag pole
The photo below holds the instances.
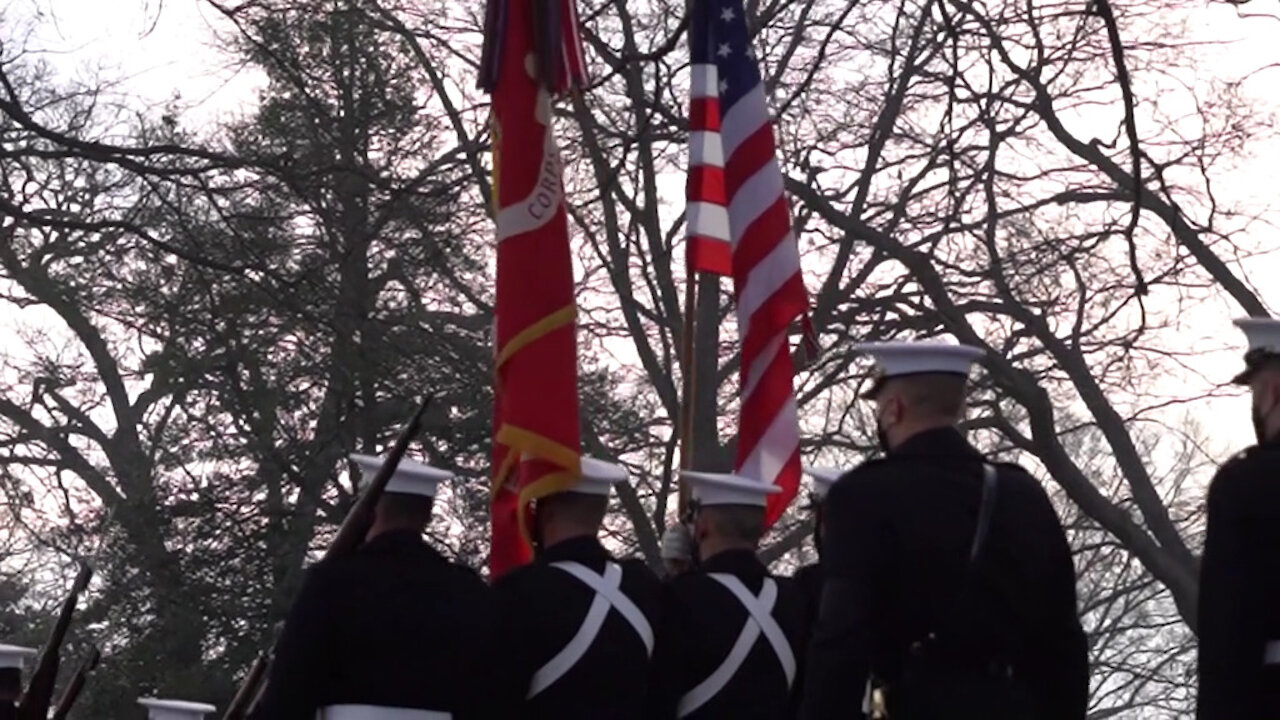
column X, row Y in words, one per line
column 686, row 356
column 689, row 382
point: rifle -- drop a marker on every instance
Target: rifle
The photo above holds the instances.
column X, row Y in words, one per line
column 350, row 534
column 248, row 693
column 39, row 694
column 72, row 693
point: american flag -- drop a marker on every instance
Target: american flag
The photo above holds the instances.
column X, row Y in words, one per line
column 739, row 224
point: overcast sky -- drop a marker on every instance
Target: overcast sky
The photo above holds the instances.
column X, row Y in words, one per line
column 164, row 46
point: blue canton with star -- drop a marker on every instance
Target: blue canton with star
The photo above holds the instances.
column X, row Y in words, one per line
column 720, row 37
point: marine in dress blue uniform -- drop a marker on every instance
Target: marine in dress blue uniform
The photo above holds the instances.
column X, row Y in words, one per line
column 577, row 624
column 392, row 629
column 1239, row 626
column 730, row 638
column 809, row 577
column 900, row 583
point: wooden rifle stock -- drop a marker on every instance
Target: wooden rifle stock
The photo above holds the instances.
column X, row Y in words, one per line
column 350, row 534
column 72, row 693
column 39, row 693
column 242, row 703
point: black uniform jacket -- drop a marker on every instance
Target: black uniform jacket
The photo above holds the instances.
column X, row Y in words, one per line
column 809, row 580
column 899, row 532
column 540, row 610
column 392, row 624
column 701, row 621
column 1240, row 590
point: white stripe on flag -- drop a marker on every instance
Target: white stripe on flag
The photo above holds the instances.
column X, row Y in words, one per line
column 757, row 194
column 775, row 447
column 760, row 365
column 743, row 119
column 709, row 220
column 704, row 81
column 547, row 194
column 705, row 149
column 771, row 273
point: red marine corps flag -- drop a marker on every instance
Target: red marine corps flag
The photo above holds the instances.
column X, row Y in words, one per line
column 532, row 51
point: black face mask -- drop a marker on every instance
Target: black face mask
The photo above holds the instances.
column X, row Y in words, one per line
column 817, row 534
column 1259, row 425
column 882, row 437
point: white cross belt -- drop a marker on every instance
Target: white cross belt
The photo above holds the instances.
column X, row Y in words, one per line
column 608, row 595
column 1271, row 653
column 759, row 620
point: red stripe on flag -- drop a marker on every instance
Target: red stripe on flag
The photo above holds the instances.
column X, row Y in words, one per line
column 751, row 154
column 709, row 255
column 762, row 236
column 789, row 480
column 774, row 316
column 763, row 405
column 704, row 114
column 706, row 184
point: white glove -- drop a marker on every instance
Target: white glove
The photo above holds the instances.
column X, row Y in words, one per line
column 677, row 543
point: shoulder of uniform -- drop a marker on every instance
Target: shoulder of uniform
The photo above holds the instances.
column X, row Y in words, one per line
column 1011, row 466
column 1249, row 459
column 638, row 566
column 513, row 577
column 806, row 570
column 1016, row 470
column 872, row 465
column 688, row 580
column 792, row 587
column 868, row 474
column 785, row 579
column 1253, row 453
column 868, row 469
column 1240, row 468
column 465, row 573
column 328, row 566
column 327, row 574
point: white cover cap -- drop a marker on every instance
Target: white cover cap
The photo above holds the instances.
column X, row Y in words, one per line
column 1263, row 335
column 823, row 479
column 898, row 359
column 411, row 477
column 676, row 543
column 13, row 656
column 175, row 709
column 724, row 489
column 598, row 477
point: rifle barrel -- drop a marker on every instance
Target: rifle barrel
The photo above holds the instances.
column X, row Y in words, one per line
column 35, row 702
column 72, row 693
column 243, row 701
